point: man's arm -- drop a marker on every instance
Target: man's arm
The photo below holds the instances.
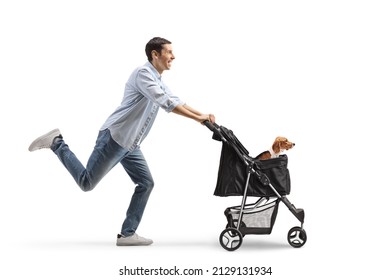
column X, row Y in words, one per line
column 187, row 111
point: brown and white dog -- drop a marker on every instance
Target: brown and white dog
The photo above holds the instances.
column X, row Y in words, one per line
column 279, row 146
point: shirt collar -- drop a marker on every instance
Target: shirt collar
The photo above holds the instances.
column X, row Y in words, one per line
column 154, row 70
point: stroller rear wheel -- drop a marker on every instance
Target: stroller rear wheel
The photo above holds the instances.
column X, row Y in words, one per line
column 230, row 239
column 296, row 237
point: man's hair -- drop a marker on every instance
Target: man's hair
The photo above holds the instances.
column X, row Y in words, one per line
column 155, row 44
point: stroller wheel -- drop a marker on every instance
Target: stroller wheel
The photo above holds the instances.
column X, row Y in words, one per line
column 296, row 237
column 230, row 239
column 234, row 225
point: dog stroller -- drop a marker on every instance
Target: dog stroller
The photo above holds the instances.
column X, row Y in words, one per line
column 268, row 180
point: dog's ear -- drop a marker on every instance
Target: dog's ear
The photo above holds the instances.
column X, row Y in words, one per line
column 276, row 145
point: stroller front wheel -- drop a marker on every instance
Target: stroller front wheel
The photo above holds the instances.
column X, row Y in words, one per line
column 234, row 223
column 230, row 239
column 296, row 237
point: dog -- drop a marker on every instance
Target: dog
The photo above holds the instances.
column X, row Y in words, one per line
column 279, row 146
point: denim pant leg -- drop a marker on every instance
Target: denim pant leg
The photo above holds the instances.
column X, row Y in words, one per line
column 106, row 154
column 138, row 170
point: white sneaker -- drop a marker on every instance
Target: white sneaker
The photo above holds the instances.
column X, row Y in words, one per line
column 45, row 141
column 133, row 240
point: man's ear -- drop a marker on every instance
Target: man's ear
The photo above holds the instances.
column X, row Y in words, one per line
column 155, row 54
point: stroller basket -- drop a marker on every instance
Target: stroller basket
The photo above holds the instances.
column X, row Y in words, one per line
column 233, row 173
column 256, row 219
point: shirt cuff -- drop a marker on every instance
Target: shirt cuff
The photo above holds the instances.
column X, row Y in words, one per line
column 173, row 105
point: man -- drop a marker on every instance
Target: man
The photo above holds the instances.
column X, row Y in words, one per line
column 120, row 136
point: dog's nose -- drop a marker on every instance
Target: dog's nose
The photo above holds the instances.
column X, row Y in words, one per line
column 293, row 144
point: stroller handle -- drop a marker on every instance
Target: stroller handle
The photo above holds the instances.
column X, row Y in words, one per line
column 211, row 126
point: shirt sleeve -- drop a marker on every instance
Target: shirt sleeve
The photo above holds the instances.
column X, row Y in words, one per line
column 155, row 91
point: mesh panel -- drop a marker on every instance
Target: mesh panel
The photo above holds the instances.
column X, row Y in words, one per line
column 258, row 219
column 261, row 218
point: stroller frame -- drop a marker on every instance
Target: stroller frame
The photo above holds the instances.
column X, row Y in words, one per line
column 265, row 207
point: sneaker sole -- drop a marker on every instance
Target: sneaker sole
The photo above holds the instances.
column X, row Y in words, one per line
column 134, row 244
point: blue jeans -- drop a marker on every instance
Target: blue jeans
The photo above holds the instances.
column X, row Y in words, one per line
column 106, row 154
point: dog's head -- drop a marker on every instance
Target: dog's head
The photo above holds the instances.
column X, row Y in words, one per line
column 281, row 143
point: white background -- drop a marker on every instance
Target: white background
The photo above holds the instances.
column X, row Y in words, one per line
column 316, row 72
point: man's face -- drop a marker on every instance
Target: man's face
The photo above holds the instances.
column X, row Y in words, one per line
column 164, row 60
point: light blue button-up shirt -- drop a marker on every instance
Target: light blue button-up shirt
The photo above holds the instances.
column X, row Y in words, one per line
column 144, row 94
